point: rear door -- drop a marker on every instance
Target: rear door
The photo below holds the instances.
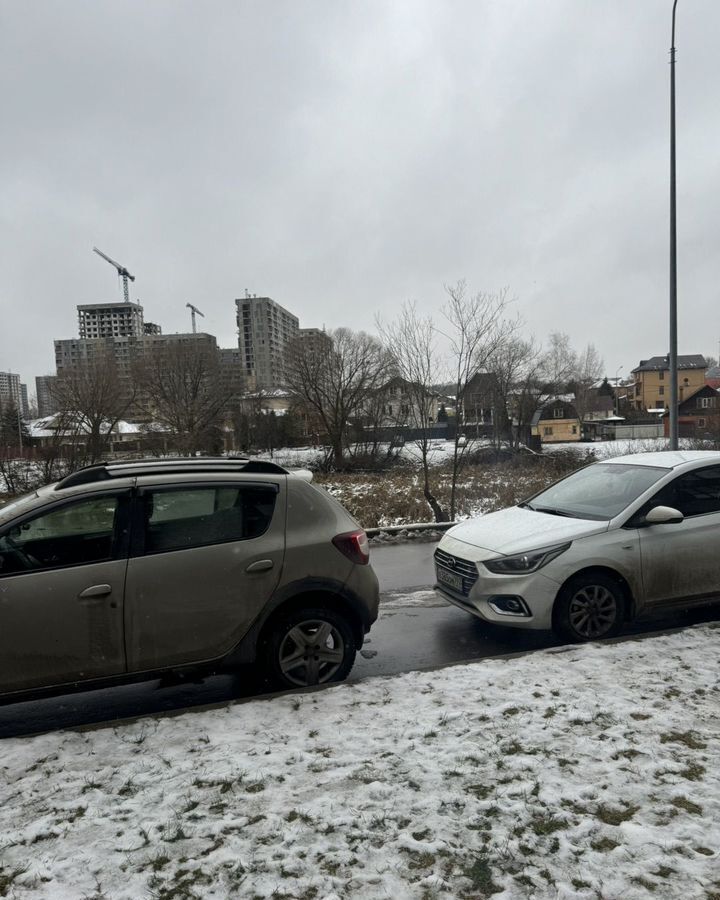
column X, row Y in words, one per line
column 206, row 558
column 62, row 575
column 681, row 561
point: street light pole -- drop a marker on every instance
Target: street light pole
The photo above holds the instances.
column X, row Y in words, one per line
column 673, row 255
column 615, row 387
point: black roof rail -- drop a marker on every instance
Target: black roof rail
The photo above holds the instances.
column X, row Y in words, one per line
column 169, row 466
column 86, row 475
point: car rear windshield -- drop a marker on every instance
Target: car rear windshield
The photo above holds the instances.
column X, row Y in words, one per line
column 601, row 491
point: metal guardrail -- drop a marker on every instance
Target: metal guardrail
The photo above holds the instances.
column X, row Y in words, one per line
column 415, row 526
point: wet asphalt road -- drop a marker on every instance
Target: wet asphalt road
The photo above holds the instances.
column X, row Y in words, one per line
column 405, row 637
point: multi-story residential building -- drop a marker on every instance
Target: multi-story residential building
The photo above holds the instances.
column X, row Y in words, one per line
column 10, row 389
column 109, row 320
column 264, row 330
column 45, row 400
column 652, row 380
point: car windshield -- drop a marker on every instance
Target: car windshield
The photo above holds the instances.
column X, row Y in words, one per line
column 600, row 491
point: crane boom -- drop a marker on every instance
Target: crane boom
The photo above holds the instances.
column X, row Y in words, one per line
column 121, row 270
column 193, row 311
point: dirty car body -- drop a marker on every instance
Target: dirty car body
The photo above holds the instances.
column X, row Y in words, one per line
column 608, row 543
column 126, row 570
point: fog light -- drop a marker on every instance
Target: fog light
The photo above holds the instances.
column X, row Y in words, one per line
column 509, row 605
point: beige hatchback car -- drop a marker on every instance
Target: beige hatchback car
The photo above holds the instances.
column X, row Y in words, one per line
column 138, row 568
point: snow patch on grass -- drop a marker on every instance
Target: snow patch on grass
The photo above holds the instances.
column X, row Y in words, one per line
column 582, row 773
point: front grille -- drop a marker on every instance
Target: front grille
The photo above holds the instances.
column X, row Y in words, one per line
column 464, row 568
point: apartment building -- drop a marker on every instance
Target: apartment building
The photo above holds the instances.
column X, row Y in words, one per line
column 651, row 388
column 264, row 330
column 46, row 404
column 10, row 388
column 110, row 320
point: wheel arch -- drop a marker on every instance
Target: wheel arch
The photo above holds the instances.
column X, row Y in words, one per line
column 307, row 592
column 608, row 572
column 315, row 597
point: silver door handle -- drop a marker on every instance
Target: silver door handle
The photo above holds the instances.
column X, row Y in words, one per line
column 96, row 590
column 260, row 565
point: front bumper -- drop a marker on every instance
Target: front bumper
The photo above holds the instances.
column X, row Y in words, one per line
column 537, row 591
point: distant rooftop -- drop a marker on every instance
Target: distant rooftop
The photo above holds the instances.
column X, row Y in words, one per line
column 660, row 363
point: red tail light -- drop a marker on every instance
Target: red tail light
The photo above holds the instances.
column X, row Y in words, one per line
column 354, row 545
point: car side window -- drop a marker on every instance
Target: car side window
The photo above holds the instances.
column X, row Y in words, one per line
column 693, row 494
column 74, row 534
column 181, row 518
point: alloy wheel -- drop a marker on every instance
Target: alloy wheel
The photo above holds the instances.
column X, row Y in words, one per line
column 311, row 652
column 593, row 611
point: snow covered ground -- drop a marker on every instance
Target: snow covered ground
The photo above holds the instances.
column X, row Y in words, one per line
column 573, row 773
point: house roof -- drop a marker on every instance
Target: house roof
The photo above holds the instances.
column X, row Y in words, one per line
column 705, row 391
column 552, row 404
column 660, row 363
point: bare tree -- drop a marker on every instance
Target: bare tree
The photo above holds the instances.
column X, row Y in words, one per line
column 412, row 344
column 476, row 327
column 589, row 368
column 92, row 399
column 182, row 388
column 335, row 383
column 515, row 365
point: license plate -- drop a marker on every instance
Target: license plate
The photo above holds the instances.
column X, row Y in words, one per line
column 451, row 579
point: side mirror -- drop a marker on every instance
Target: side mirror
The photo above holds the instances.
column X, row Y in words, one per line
column 663, row 515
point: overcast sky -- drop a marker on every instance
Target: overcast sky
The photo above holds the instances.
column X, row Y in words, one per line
column 343, row 156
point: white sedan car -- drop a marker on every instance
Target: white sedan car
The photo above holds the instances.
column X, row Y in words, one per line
column 600, row 547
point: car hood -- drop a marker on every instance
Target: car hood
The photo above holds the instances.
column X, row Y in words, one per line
column 516, row 530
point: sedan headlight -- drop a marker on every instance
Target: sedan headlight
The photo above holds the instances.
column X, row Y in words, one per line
column 525, row 562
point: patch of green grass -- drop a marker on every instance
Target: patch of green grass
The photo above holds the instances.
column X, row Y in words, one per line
column 549, row 712
column 579, row 885
column 421, row 835
column 604, row 844
column 688, row 738
column 8, row 878
column 692, row 771
column 640, row 717
column 663, row 872
column 296, row 814
column 615, row 815
column 479, row 874
column 420, row 859
column 545, row 823
column 687, row 805
column 644, row 882
column 481, row 791
column 630, row 753
column 706, row 851
column 511, row 711
column 159, row 862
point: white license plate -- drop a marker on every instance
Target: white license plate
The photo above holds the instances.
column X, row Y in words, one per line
column 450, row 579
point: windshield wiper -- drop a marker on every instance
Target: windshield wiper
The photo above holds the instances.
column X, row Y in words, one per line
column 526, row 506
column 555, row 512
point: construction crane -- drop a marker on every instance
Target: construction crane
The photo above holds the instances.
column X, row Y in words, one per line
column 193, row 312
column 122, row 272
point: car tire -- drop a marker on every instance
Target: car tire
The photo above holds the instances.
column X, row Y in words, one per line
column 310, row 646
column 589, row 607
